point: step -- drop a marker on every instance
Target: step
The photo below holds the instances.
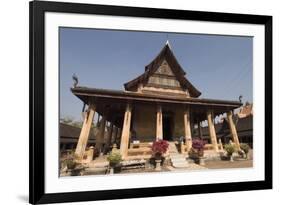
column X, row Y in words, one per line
column 178, row 159
column 181, row 165
column 178, row 156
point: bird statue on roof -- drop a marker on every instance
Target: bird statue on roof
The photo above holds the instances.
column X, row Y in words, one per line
column 75, row 80
column 240, row 98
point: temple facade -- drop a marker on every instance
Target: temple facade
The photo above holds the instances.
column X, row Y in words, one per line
column 159, row 104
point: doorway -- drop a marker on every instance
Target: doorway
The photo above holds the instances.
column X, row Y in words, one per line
column 167, row 127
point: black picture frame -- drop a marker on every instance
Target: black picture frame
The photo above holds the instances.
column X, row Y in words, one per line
column 37, row 10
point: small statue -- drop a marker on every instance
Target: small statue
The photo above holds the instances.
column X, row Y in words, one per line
column 240, row 98
column 75, row 79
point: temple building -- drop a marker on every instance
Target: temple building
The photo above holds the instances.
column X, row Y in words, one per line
column 159, row 104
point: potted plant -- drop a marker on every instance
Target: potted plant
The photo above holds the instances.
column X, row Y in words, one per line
column 159, row 148
column 114, row 159
column 230, row 149
column 197, row 150
column 73, row 166
column 70, row 163
column 246, row 148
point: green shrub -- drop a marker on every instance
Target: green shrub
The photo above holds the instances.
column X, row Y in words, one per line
column 230, row 149
column 245, row 147
column 70, row 164
column 114, row 157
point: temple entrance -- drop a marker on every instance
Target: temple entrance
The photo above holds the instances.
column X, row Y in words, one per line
column 167, row 127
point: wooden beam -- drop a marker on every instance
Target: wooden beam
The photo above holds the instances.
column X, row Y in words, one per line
column 159, row 123
column 109, row 136
column 100, row 136
column 85, row 131
column 126, row 132
column 212, row 130
column 187, row 129
column 233, row 130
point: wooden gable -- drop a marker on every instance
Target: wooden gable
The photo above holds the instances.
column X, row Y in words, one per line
column 164, row 69
column 163, row 72
column 164, row 77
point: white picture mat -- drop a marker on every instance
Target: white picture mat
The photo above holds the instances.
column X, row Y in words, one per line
column 55, row 184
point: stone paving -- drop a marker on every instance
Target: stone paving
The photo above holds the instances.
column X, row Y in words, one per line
column 228, row 164
column 99, row 166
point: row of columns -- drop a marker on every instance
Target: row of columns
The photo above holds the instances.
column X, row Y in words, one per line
column 187, row 128
column 113, row 132
column 124, row 143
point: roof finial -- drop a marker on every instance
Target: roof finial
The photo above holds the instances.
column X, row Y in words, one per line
column 167, row 42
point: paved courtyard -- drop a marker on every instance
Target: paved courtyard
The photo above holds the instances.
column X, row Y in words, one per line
column 228, row 164
column 100, row 166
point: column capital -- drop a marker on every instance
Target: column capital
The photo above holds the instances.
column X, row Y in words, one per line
column 210, row 112
column 230, row 112
column 129, row 107
column 186, row 110
column 92, row 106
column 186, row 107
column 159, row 108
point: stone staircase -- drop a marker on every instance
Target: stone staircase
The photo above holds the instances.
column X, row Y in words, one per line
column 178, row 160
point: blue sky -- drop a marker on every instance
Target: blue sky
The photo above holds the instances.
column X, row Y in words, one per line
column 219, row 66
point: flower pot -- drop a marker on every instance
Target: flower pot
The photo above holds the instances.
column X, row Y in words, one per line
column 202, row 161
column 78, row 171
column 70, row 164
column 111, row 170
column 200, row 153
column 113, row 164
column 158, row 164
column 231, row 158
column 115, row 167
column 158, row 156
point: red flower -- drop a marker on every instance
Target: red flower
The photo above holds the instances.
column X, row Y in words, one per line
column 160, row 147
column 198, row 144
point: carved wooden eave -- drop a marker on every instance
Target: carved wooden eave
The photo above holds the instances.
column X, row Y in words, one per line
column 85, row 93
column 167, row 55
column 116, row 101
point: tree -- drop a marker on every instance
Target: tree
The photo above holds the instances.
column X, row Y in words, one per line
column 70, row 121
